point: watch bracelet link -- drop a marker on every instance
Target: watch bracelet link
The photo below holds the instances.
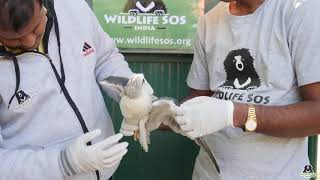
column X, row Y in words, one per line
column 251, row 115
column 251, row 112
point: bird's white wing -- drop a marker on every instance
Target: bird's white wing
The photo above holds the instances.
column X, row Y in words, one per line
column 161, row 112
column 114, row 86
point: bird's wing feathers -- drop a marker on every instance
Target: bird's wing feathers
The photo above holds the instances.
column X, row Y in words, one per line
column 162, row 113
column 114, row 84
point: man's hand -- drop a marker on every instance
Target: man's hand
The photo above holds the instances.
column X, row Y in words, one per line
column 81, row 158
column 204, row 115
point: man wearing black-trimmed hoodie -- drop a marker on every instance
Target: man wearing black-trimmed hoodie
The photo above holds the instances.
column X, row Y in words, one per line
column 53, row 120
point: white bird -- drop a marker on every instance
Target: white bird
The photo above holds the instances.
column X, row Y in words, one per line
column 135, row 102
column 139, row 106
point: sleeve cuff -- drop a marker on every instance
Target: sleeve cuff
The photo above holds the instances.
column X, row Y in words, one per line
column 197, row 85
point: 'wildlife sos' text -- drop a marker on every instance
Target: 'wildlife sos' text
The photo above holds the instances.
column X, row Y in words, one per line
column 145, row 20
column 243, row 97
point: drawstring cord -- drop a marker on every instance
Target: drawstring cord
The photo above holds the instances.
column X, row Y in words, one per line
column 17, row 71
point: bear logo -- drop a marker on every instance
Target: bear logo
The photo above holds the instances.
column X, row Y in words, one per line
column 240, row 70
column 308, row 169
column 134, row 7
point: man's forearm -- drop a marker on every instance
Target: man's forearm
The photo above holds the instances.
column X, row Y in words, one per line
column 296, row 120
column 196, row 93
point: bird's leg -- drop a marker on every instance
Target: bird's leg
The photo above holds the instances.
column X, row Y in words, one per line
column 136, row 135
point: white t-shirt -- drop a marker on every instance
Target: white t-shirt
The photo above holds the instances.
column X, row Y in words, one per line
column 261, row 58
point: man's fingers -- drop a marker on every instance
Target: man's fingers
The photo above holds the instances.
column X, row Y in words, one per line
column 109, row 141
column 89, row 136
column 115, row 149
column 112, row 164
column 181, row 120
column 115, row 158
column 177, row 111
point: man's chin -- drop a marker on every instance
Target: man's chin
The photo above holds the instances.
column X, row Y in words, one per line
column 29, row 48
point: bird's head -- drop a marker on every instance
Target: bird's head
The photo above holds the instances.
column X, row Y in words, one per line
column 134, row 86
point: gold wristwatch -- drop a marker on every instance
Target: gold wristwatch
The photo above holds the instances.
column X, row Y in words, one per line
column 251, row 122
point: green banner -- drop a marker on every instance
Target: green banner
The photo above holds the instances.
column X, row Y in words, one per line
column 141, row 25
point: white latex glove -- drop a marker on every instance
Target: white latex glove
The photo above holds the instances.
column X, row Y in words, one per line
column 204, row 115
column 81, row 158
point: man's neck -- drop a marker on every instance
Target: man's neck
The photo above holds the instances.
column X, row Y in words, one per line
column 244, row 7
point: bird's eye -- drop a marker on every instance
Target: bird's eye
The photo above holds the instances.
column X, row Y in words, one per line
column 143, row 80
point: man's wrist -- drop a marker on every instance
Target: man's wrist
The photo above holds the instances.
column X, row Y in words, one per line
column 65, row 164
column 240, row 114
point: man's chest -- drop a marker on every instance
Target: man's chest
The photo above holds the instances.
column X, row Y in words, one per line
column 248, row 64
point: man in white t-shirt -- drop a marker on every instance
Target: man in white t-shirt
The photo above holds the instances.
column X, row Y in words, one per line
column 257, row 69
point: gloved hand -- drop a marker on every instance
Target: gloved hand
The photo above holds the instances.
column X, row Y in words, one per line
column 204, row 115
column 81, row 158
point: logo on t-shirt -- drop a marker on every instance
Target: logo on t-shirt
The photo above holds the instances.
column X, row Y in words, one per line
column 24, row 101
column 241, row 73
column 22, row 97
column 145, row 6
column 308, row 169
column 308, row 172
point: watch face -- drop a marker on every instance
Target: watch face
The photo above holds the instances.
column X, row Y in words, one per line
column 251, row 125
